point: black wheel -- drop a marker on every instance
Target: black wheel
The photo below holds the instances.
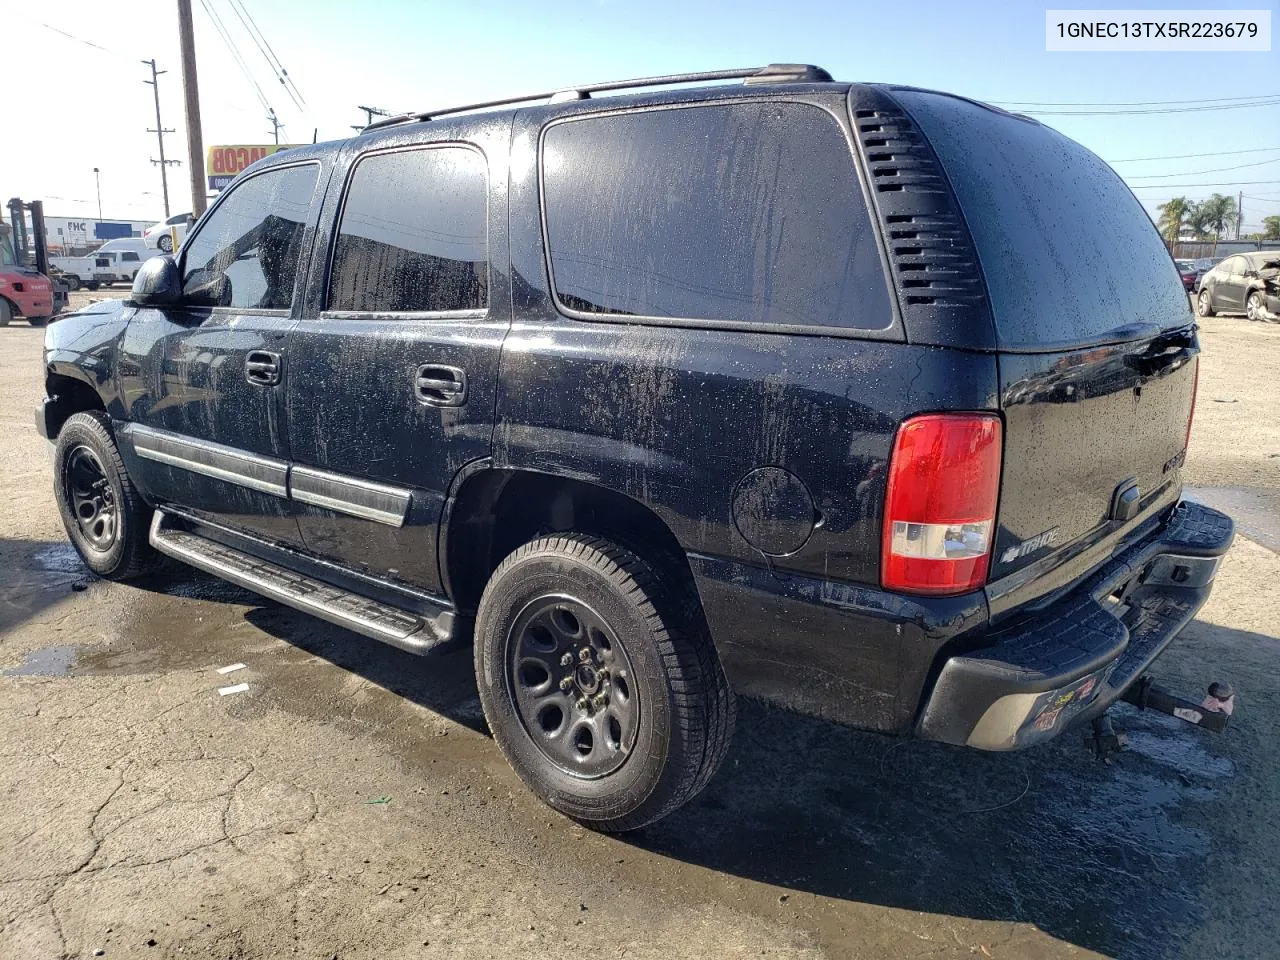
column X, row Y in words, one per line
column 72, row 281
column 1204, row 304
column 106, row 520
column 165, row 243
column 37, row 321
column 1253, row 306
column 93, row 284
column 6, row 312
column 600, row 681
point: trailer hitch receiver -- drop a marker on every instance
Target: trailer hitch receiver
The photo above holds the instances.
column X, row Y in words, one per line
column 1212, row 713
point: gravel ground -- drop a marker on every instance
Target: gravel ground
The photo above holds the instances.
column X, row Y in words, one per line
column 350, row 803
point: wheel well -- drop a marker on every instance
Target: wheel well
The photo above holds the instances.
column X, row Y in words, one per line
column 73, row 396
column 496, row 511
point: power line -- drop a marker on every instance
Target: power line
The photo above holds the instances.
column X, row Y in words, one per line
column 1275, row 101
column 1225, row 183
column 255, row 34
column 1130, row 103
column 87, row 43
column 235, row 52
column 1196, row 173
column 1190, row 156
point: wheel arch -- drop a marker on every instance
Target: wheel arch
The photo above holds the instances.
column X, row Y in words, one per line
column 493, row 511
column 68, row 395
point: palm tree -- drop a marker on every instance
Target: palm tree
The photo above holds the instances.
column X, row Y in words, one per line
column 1198, row 220
column 1219, row 213
column 1173, row 215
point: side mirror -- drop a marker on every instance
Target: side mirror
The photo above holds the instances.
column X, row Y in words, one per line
column 158, row 283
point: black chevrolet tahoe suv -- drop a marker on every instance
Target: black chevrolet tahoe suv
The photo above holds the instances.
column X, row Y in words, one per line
column 787, row 388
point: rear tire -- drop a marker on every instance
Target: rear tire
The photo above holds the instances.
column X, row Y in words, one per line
column 93, row 284
column 72, row 281
column 1204, row 303
column 106, row 519
column 165, row 243
column 600, row 681
column 1253, row 306
column 37, row 321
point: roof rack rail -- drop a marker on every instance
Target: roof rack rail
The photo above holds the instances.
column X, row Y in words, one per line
column 773, row 73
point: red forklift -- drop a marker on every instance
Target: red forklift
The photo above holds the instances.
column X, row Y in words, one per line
column 25, row 287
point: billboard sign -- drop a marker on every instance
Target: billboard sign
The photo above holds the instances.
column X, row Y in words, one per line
column 223, row 163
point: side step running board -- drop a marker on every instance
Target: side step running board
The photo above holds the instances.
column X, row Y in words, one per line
column 400, row 628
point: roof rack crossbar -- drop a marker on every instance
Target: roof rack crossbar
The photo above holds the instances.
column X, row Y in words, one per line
column 578, row 93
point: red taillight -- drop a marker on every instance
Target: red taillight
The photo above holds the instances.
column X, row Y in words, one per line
column 940, row 507
column 1191, row 414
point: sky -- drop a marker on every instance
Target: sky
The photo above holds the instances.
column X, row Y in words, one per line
column 76, row 97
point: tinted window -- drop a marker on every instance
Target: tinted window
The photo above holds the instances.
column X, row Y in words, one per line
column 412, row 235
column 129, row 256
column 1067, row 251
column 746, row 212
column 246, row 253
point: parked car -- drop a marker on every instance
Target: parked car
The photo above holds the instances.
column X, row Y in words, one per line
column 1203, row 266
column 161, row 236
column 1187, row 270
column 127, row 255
column 89, row 271
column 667, row 396
column 1238, row 285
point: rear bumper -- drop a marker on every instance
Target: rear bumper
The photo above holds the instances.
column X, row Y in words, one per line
column 1070, row 661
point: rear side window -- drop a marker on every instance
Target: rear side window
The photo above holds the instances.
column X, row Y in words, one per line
column 412, row 236
column 1068, row 252
column 246, row 253
column 742, row 213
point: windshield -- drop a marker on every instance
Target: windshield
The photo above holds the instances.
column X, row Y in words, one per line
column 7, row 259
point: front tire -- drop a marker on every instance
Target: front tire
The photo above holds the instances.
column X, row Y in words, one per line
column 1204, row 303
column 165, row 243
column 1253, row 306
column 600, row 682
column 106, row 519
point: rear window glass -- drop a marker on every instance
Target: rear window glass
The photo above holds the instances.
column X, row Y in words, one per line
column 738, row 213
column 1068, row 252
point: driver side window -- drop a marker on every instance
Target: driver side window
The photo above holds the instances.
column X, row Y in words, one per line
column 246, row 254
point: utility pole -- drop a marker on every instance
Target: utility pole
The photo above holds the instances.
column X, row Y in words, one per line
column 275, row 124
column 98, row 180
column 191, row 93
column 1239, row 213
column 370, row 113
column 159, row 131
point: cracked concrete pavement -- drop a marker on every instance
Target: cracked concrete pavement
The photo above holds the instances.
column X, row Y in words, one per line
column 350, row 803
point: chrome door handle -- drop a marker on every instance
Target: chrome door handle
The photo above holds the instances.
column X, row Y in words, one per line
column 440, row 386
column 262, row 367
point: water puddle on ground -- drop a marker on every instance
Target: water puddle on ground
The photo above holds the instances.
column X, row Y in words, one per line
column 55, row 661
column 1256, row 511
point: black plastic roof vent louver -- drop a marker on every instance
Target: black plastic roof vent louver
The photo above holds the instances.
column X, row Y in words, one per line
column 935, row 269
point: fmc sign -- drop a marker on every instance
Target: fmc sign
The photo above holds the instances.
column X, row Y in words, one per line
column 223, row 163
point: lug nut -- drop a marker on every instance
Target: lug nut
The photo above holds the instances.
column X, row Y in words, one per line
column 582, row 703
column 599, row 700
column 566, row 660
column 566, row 683
column 584, row 654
